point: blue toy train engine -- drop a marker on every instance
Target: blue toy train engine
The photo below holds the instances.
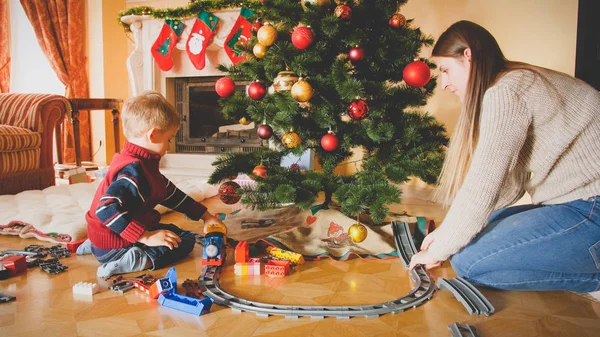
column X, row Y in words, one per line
column 214, row 248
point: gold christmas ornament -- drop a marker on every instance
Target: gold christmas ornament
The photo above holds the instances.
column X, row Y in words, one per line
column 302, row 91
column 244, row 121
column 284, row 81
column 315, row 3
column 266, row 35
column 291, row 139
column 259, row 50
column 357, row 232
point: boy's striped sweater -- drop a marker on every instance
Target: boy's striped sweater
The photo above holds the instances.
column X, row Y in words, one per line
column 123, row 207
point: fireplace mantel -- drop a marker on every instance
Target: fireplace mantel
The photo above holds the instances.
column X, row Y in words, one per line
column 144, row 74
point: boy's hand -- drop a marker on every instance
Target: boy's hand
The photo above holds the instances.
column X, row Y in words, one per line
column 161, row 237
column 210, row 219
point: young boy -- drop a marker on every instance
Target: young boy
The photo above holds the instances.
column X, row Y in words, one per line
column 123, row 226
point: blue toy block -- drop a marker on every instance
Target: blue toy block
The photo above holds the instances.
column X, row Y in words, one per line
column 186, row 304
column 172, row 276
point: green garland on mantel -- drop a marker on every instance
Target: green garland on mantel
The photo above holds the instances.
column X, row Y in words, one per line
column 191, row 10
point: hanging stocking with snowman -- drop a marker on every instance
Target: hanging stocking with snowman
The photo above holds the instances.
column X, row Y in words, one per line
column 200, row 35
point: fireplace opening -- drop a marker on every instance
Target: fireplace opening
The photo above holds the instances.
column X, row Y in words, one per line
column 204, row 129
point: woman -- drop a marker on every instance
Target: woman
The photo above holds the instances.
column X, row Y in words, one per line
column 522, row 128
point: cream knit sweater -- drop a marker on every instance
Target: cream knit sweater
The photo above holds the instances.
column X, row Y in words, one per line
column 539, row 133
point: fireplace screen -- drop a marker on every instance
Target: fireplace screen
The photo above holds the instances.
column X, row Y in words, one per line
column 204, row 129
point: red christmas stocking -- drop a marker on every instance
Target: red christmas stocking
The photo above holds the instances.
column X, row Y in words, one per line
column 200, row 35
column 164, row 44
column 240, row 35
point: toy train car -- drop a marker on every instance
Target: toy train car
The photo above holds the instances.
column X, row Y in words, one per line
column 214, row 246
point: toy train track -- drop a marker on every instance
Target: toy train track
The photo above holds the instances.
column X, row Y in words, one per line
column 421, row 292
column 466, row 330
column 468, row 295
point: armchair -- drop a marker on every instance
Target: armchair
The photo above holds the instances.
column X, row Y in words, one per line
column 27, row 124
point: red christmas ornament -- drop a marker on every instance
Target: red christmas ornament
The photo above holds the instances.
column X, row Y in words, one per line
column 398, row 20
column 260, row 171
column 257, row 91
column 228, row 192
column 358, row 109
column 225, row 87
column 416, row 74
column 343, row 12
column 356, row 54
column 264, row 131
column 302, row 37
column 329, row 142
column 256, row 26
column 295, row 167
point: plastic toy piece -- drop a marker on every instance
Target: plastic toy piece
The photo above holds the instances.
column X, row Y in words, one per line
column 52, row 266
column 214, row 249
column 277, row 268
column 122, row 287
column 15, row 264
column 6, row 298
column 422, row 291
column 85, row 288
column 252, row 267
column 468, row 295
column 73, row 245
column 257, row 224
column 192, row 289
column 4, row 273
column 295, row 258
column 186, row 304
column 462, row 330
column 161, row 286
column 242, row 252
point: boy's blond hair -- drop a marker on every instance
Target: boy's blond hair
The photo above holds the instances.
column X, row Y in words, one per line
column 148, row 110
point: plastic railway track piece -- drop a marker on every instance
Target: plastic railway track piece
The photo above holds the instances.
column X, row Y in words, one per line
column 468, row 295
column 6, row 298
column 404, row 242
column 122, row 287
column 459, row 330
column 422, row 291
column 185, row 303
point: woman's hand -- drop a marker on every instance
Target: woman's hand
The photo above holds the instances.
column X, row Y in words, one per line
column 161, row 237
column 423, row 258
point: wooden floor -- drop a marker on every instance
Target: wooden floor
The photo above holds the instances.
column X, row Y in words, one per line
column 45, row 305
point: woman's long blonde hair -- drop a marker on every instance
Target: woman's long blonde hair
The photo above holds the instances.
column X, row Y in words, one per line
column 487, row 65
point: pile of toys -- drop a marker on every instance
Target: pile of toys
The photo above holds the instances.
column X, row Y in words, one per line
column 14, row 262
column 164, row 290
column 278, row 262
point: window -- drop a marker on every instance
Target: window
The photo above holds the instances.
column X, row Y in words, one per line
column 30, row 70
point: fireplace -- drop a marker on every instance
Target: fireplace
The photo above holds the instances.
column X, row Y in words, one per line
column 204, row 129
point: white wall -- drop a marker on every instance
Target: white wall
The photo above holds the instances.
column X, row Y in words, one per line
column 29, row 67
column 540, row 32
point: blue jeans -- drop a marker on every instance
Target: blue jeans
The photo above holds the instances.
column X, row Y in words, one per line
column 536, row 247
column 160, row 256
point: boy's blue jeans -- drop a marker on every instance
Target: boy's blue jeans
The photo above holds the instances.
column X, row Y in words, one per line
column 160, row 256
column 537, row 247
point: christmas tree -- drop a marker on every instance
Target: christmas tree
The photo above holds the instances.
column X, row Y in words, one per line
column 343, row 76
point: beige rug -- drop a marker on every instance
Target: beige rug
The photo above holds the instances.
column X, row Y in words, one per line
column 314, row 233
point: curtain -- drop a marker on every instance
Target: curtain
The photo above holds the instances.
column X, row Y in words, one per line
column 4, row 47
column 59, row 29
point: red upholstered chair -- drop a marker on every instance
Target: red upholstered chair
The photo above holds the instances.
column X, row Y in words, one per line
column 27, row 124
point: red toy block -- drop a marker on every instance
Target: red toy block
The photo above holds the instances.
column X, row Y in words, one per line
column 73, row 245
column 277, row 268
column 16, row 264
column 242, row 252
